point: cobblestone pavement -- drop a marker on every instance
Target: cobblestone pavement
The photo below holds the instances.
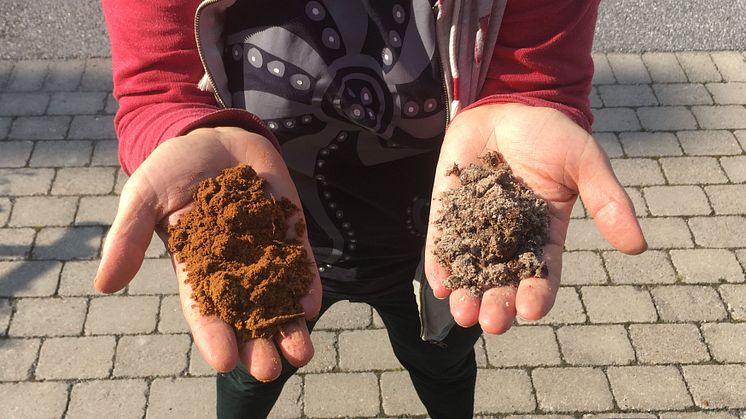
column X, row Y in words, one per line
column 661, row 335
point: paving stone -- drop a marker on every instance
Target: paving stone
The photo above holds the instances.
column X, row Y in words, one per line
column 151, row 355
column 615, row 119
column 717, row 386
column 741, row 137
column 86, row 127
column 76, row 358
column 114, row 398
column 105, row 154
column 33, row 400
column 636, row 415
column 97, row 75
column 727, row 341
column 341, row 394
column 628, row 68
column 15, row 153
column 650, row 144
column 682, row 94
column 19, row 182
column 480, row 353
column 289, row 404
column 578, row 211
column 648, row 388
column 39, row 128
column 121, row 180
column 708, row 143
column 727, row 93
column 582, row 268
column 198, row 366
column 677, row 200
column 48, row 317
column 364, row 350
column 27, row 76
column 637, row 172
column 77, row 278
column 503, row 391
column 171, row 317
column 6, row 310
column 5, row 206
column 698, row 66
column 76, row 103
column 567, row 309
column 377, row 321
column 595, row 345
column 651, row 267
column 345, row 315
column 156, row 276
column 84, row 181
column 741, row 256
column 67, row 243
column 627, row 95
column 23, row 104
column 727, row 199
column 666, row 118
column 112, row 106
column 688, row 303
column 723, row 231
column 595, row 99
column 720, row 117
column 663, row 67
column 666, row 233
column 29, row 278
column 531, row 417
column 734, row 297
column 609, row 143
column 572, row 389
column 618, row 304
column 4, row 127
column 17, row 357
column 64, row 75
column 181, row 398
column 325, row 352
column 692, row 170
column 583, row 235
column 707, row 266
column 121, row 315
column 61, row 154
column 668, row 343
column 602, row 73
column 735, row 167
column 39, row 211
column 523, row 346
column 97, row 210
column 698, row 415
column 15, row 243
column 641, row 208
column 6, row 67
column 731, row 64
column 398, row 395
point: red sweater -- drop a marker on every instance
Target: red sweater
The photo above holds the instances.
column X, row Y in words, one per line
column 542, row 58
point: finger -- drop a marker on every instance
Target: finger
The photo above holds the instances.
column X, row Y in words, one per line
column 261, row 359
column 497, row 312
column 294, row 342
column 464, row 307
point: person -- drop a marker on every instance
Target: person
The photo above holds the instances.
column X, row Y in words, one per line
column 354, row 110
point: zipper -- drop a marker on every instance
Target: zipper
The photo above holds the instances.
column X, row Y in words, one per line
column 443, row 84
column 197, row 16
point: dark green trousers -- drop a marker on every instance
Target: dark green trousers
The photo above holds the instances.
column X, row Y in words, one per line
column 443, row 374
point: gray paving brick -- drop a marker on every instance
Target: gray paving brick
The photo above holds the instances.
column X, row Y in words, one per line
column 523, row 346
column 112, row 106
column 39, row 211
column 15, row 153
column 572, row 389
column 692, row 170
column 641, row 208
column 698, row 66
column 480, row 353
column 325, row 352
column 156, row 276
column 531, row 417
column 595, row 345
column 377, row 321
column 727, row 199
column 741, row 137
column 197, row 365
column 609, row 143
column 723, row 231
column 615, row 119
column 699, row 415
column 677, row 200
column 64, row 75
column 731, row 64
column 75, row 358
column 175, row 398
column 341, row 394
column 720, row 117
column 708, row 143
column 29, row 278
column 578, row 211
column 6, row 67
column 97, row 210
column 17, row 357
column 637, row 172
column 636, row 415
column 651, row 267
column 682, row 94
column 595, row 99
column 628, row 68
column 668, row 343
column 289, row 404
column 650, row 144
column 97, row 75
column 364, row 350
column 171, row 316
column 40, row 128
column 663, row 67
column 41, row 400
column 48, row 317
column 398, row 396
column 5, row 206
column 121, row 315
column 84, row 181
column 121, row 180
column 23, row 104
column 76, row 103
column 503, row 391
column 627, row 95
column 582, row 268
column 706, row 266
column 27, row 76
column 61, row 153
column 727, row 341
column 648, row 388
column 15, row 243
column 728, row 93
column 688, row 303
column 105, row 154
column 602, row 70
column 87, row 127
column 665, row 233
column 734, row 297
column 4, row 127
column 345, row 315
column 567, row 309
column 151, row 355
column 77, row 278
column 741, row 256
column 67, row 243
column 666, row 118
column 120, row 398
column 6, row 310
column 618, row 304
column 717, row 386
column 735, row 167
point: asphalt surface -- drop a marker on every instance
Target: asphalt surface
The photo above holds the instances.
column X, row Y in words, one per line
column 46, row 29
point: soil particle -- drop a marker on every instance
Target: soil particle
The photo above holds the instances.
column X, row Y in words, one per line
column 240, row 264
column 493, row 228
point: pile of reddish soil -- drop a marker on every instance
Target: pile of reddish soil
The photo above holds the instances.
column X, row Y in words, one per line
column 239, row 262
column 493, row 228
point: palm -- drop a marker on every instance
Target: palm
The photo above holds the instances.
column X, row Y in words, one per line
column 557, row 159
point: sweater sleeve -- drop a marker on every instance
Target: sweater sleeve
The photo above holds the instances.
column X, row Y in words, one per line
column 543, row 57
column 156, row 68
